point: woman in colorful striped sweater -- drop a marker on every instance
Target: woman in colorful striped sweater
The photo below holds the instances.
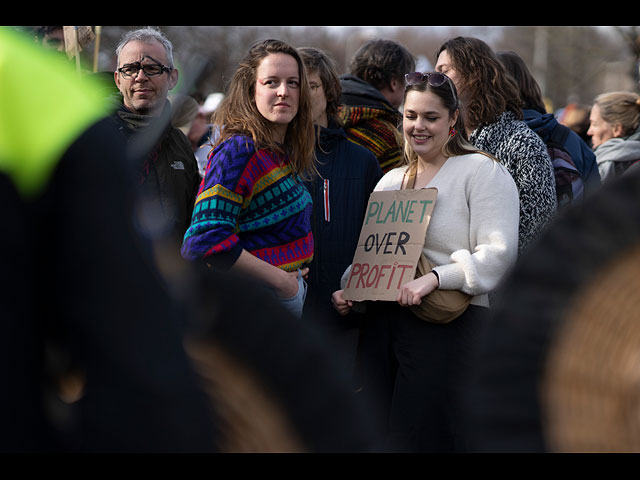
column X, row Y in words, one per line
column 252, row 213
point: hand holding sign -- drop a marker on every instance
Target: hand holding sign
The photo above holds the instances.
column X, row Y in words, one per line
column 390, row 243
column 412, row 292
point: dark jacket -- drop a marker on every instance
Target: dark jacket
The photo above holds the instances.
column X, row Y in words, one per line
column 350, row 173
column 581, row 154
column 371, row 121
column 168, row 169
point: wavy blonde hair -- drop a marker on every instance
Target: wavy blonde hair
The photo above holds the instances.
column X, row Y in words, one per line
column 457, row 144
column 238, row 114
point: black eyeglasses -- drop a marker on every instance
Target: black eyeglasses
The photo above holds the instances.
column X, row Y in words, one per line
column 151, row 70
column 435, row 79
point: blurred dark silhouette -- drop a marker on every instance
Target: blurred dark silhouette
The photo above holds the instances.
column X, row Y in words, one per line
column 556, row 370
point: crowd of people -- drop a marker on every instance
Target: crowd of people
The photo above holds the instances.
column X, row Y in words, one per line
column 224, row 273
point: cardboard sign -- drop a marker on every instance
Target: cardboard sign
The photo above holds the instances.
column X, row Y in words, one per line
column 76, row 38
column 390, row 243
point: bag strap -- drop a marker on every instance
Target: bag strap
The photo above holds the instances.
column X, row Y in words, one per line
column 411, row 177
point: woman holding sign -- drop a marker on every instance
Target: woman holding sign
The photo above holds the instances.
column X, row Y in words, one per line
column 252, row 213
column 415, row 354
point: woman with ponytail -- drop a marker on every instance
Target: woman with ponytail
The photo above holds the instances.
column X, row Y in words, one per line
column 615, row 132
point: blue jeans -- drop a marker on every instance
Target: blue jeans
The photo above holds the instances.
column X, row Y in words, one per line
column 295, row 303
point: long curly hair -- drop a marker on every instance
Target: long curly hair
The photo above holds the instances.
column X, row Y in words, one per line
column 238, row 113
column 483, row 81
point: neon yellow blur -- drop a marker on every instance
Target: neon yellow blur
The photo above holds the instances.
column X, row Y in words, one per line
column 44, row 106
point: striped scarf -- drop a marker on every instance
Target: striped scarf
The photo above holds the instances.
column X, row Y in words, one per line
column 376, row 129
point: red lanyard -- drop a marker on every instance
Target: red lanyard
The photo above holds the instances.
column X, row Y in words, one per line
column 327, row 206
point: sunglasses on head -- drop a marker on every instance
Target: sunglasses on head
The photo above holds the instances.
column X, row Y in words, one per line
column 435, row 79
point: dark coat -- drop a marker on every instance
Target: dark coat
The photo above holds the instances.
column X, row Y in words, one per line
column 581, row 154
column 352, row 172
column 168, row 169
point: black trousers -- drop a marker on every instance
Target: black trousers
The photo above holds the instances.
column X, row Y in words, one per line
column 416, row 373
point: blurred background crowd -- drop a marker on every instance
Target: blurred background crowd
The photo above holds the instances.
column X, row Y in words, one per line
column 572, row 64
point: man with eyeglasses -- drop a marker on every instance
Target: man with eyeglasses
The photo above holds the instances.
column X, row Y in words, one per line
column 168, row 172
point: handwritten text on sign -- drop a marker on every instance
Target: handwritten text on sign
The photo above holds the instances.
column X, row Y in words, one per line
column 390, row 243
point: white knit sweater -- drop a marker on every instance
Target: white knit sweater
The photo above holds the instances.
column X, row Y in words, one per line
column 472, row 237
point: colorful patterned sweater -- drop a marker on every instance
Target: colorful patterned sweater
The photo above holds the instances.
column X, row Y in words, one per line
column 249, row 199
